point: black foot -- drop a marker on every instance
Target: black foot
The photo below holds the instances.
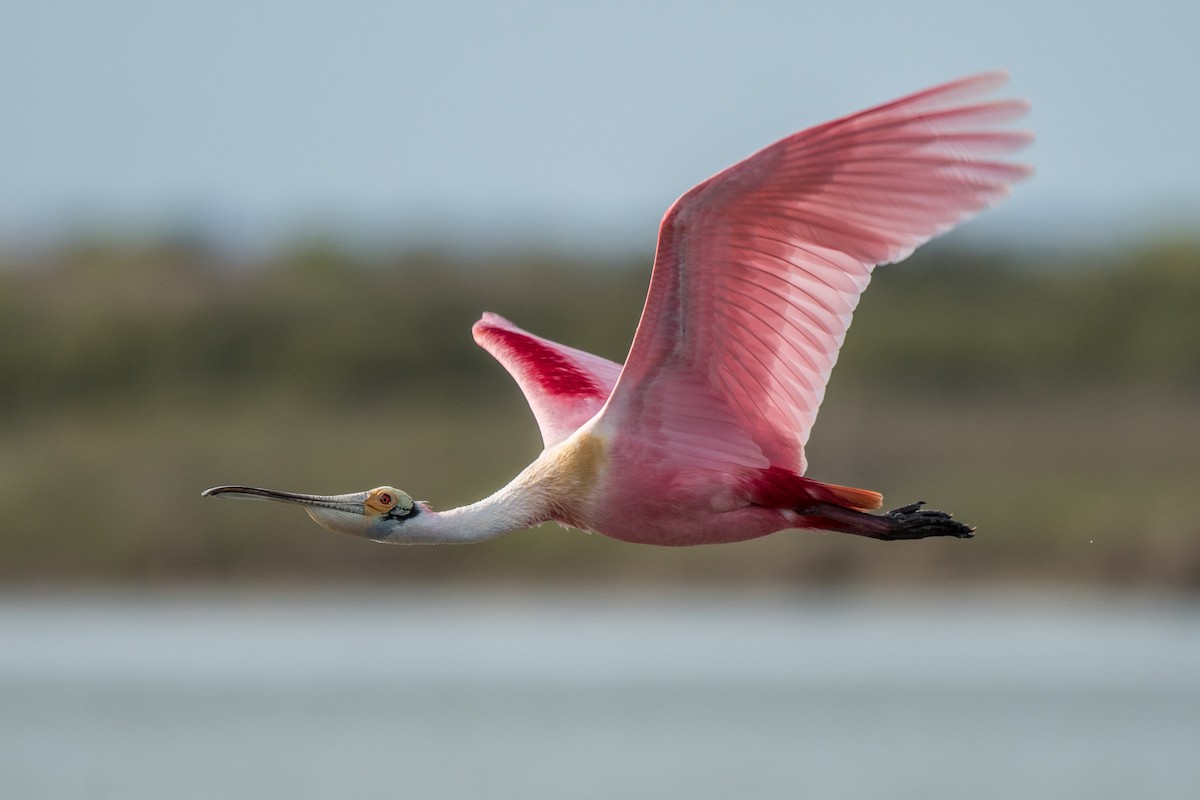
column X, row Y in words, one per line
column 913, row 522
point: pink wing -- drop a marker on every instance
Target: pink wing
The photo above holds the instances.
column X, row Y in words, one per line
column 759, row 269
column 565, row 387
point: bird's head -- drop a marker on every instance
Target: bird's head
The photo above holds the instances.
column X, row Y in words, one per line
column 378, row 514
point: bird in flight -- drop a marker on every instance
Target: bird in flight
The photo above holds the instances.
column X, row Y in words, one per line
column 699, row 438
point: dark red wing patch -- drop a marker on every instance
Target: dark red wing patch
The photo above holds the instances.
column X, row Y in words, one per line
column 552, row 371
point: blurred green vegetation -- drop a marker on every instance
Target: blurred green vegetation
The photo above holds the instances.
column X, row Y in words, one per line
column 1050, row 399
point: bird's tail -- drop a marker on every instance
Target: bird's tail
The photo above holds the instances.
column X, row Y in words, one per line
column 781, row 488
column 860, row 499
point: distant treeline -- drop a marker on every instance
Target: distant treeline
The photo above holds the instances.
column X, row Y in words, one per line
column 109, row 322
column 1050, row 401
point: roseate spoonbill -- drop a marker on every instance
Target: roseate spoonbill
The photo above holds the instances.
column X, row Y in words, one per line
column 699, row 437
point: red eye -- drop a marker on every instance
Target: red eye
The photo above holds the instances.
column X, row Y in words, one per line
column 385, row 498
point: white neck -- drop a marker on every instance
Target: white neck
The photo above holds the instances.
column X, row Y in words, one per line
column 513, row 508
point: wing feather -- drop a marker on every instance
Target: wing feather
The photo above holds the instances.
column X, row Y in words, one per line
column 759, row 269
column 564, row 387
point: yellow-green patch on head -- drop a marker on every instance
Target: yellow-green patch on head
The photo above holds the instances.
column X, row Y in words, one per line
column 386, row 498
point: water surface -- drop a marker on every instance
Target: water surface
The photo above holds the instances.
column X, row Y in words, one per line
column 583, row 695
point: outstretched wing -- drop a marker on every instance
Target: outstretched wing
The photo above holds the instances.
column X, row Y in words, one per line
column 759, row 268
column 565, row 387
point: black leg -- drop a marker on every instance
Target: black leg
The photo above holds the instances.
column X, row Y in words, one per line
column 907, row 522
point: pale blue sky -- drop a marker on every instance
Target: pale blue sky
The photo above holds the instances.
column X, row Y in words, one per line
column 570, row 122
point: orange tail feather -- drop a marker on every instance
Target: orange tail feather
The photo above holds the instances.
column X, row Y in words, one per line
column 860, row 499
column 782, row 488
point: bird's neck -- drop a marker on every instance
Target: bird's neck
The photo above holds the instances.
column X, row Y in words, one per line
column 506, row 511
column 554, row 486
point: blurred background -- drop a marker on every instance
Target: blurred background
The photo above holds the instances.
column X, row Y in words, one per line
column 244, row 243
